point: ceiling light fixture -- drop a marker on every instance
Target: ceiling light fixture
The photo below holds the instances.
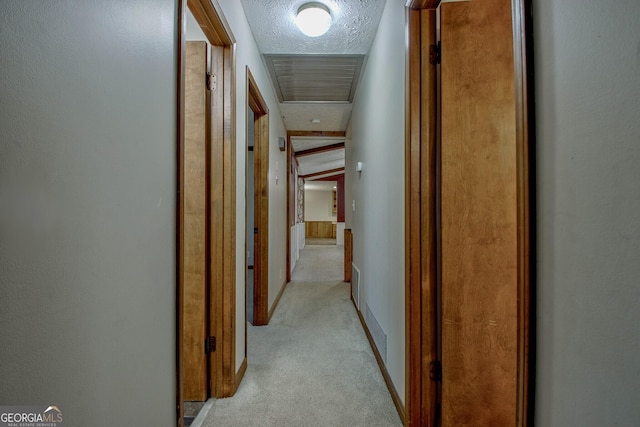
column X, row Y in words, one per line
column 313, row 19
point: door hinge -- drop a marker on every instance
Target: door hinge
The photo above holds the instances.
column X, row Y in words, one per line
column 435, row 53
column 212, row 81
column 435, row 371
column 209, row 345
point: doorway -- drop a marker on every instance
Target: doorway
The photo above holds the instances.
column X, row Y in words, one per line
column 258, row 244
column 206, row 209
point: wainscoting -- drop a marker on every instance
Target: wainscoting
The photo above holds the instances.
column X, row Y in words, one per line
column 320, row 229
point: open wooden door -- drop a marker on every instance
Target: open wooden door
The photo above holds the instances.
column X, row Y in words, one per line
column 194, row 223
column 483, row 189
column 468, row 177
column 206, row 231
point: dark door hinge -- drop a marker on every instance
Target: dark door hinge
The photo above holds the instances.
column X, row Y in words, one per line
column 209, row 345
column 212, row 82
column 435, row 53
column 435, row 371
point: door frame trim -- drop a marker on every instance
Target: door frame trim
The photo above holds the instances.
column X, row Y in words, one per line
column 222, row 233
column 256, row 102
column 525, row 157
column 420, row 292
column 420, row 214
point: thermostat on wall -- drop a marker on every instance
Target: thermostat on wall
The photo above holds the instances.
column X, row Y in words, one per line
column 359, row 167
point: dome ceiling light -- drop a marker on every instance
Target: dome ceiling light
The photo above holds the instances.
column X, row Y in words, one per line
column 313, row 19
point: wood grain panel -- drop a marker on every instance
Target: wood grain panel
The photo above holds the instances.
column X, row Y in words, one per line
column 428, row 178
column 217, row 228
column 228, row 224
column 194, row 268
column 221, row 193
column 522, row 44
column 413, row 285
column 479, row 215
column 212, row 23
column 348, row 254
column 423, row 4
column 421, row 290
column 319, row 229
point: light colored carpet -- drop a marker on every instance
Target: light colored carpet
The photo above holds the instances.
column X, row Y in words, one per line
column 320, row 241
column 312, row 366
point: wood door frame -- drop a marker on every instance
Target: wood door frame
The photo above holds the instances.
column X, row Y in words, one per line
column 222, row 204
column 421, row 268
column 195, row 220
column 256, row 102
column 420, row 210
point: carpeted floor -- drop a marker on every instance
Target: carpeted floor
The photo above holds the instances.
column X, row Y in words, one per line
column 312, row 366
column 320, row 241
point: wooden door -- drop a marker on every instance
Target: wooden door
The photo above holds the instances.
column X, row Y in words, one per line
column 194, row 231
column 256, row 102
column 479, row 206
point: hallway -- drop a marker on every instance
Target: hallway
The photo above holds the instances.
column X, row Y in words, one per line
column 91, row 135
column 312, row 365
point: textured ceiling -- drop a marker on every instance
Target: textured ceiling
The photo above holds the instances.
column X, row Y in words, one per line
column 354, row 26
column 355, row 23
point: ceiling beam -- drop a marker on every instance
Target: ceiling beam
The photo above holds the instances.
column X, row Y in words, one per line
column 329, row 178
column 316, row 133
column 311, row 175
column 318, row 150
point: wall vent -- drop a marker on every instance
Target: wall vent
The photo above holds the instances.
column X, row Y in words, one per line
column 355, row 285
column 379, row 337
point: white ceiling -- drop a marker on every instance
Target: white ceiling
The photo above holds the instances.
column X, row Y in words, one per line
column 301, row 143
column 298, row 116
column 327, row 160
column 354, row 26
column 355, row 23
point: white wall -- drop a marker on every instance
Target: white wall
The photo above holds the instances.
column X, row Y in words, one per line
column 377, row 139
column 87, row 209
column 318, row 206
column 588, row 151
column 194, row 31
column 247, row 55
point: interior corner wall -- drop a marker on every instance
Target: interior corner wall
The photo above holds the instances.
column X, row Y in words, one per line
column 377, row 140
column 587, row 76
column 88, row 114
column 247, row 55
